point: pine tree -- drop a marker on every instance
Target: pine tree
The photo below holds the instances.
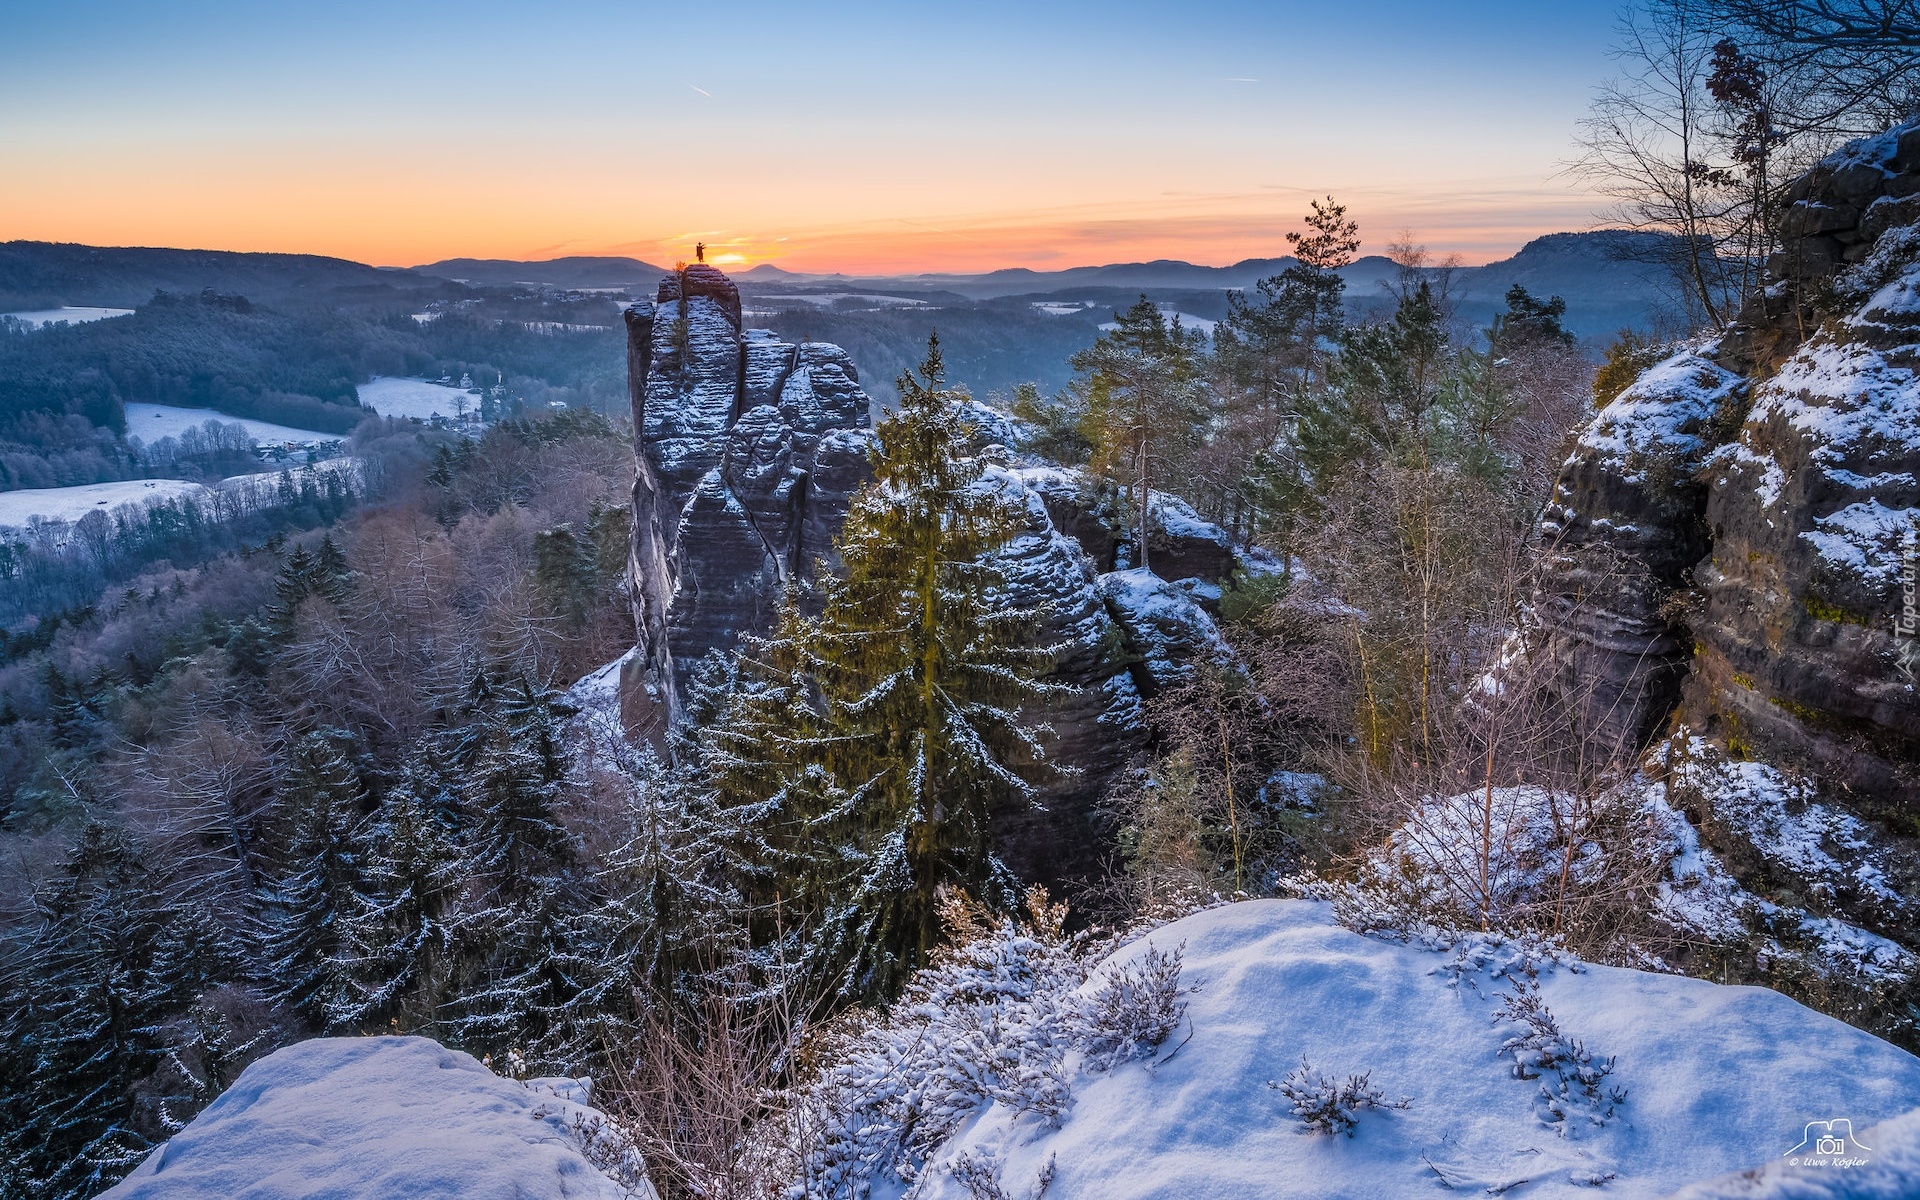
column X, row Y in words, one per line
column 921, row 672
column 1146, row 403
column 305, row 915
column 1270, row 354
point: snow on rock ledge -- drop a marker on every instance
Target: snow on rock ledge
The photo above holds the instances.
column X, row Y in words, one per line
column 382, row 1117
column 1163, row 623
column 1717, row 1078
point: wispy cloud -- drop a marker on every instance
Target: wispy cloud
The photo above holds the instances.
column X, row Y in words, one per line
column 701, row 90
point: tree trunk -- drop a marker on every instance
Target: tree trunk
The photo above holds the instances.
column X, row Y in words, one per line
column 1146, row 504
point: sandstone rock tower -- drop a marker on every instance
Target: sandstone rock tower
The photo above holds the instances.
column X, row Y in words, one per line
column 748, row 450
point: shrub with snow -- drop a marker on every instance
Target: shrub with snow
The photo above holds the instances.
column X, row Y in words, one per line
column 1008, row 1017
column 1330, row 1106
column 1572, row 1080
column 1130, row 1014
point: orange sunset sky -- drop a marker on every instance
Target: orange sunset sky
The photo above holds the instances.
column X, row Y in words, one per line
column 819, row 138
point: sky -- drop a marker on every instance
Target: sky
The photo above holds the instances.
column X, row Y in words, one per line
column 887, row 137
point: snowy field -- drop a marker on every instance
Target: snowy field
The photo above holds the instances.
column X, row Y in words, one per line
column 1702, row 1079
column 828, row 300
column 72, row 503
column 390, row 1117
column 76, row 315
column 151, row 422
column 1187, row 321
column 419, row 399
column 261, row 488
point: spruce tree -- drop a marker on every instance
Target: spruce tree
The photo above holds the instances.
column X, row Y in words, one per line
column 539, row 958
column 398, row 948
column 513, row 784
column 305, row 914
column 109, row 957
column 765, row 761
column 922, row 673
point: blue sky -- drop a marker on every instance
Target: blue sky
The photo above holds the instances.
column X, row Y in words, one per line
column 865, row 134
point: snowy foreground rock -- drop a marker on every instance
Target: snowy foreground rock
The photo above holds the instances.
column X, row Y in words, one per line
column 1705, row 1080
column 387, row 1117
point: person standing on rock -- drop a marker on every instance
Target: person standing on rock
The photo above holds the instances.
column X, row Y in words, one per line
column 699, row 252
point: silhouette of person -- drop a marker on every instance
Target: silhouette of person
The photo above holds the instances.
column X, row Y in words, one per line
column 699, row 252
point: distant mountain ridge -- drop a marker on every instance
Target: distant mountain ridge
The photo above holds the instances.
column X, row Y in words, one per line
column 1604, row 275
column 573, row 271
column 1609, row 263
column 34, row 274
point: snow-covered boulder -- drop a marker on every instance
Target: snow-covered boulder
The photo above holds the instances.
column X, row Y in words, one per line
column 1164, row 624
column 386, row 1117
column 1493, row 1069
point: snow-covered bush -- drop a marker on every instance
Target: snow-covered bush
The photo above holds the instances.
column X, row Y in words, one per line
column 1330, row 1106
column 1132, row 1012
column 1580, row 869
column 1573, row 1081
column 1007, row 1016
column 980, row 1175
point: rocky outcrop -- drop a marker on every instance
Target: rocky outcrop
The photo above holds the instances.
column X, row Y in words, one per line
column 748, row 450
column 1733, row 541
column 1813, row 505
column 1622, row 534
column 1180, row 545
column 1098, row 725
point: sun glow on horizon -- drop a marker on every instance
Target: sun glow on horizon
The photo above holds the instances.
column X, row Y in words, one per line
column 813, row 145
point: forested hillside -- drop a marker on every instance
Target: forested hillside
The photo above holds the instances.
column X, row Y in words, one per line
column 1346, row 723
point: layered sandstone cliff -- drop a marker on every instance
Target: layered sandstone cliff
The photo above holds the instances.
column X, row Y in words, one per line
column 748, row 450
column 1732, row 549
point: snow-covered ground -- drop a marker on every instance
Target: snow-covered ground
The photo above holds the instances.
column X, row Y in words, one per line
column 390, row 1117
column 1711, row 1079
column 72, row 503
column 1187, row 321
column 259, row 488
column 73, row 314
column 151, row 422
column 829, row 299
column 18, row 508
column 420, row 399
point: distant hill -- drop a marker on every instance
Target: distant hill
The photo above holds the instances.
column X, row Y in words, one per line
column 577, row 271
column 50, row 274
column 1603, row 275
